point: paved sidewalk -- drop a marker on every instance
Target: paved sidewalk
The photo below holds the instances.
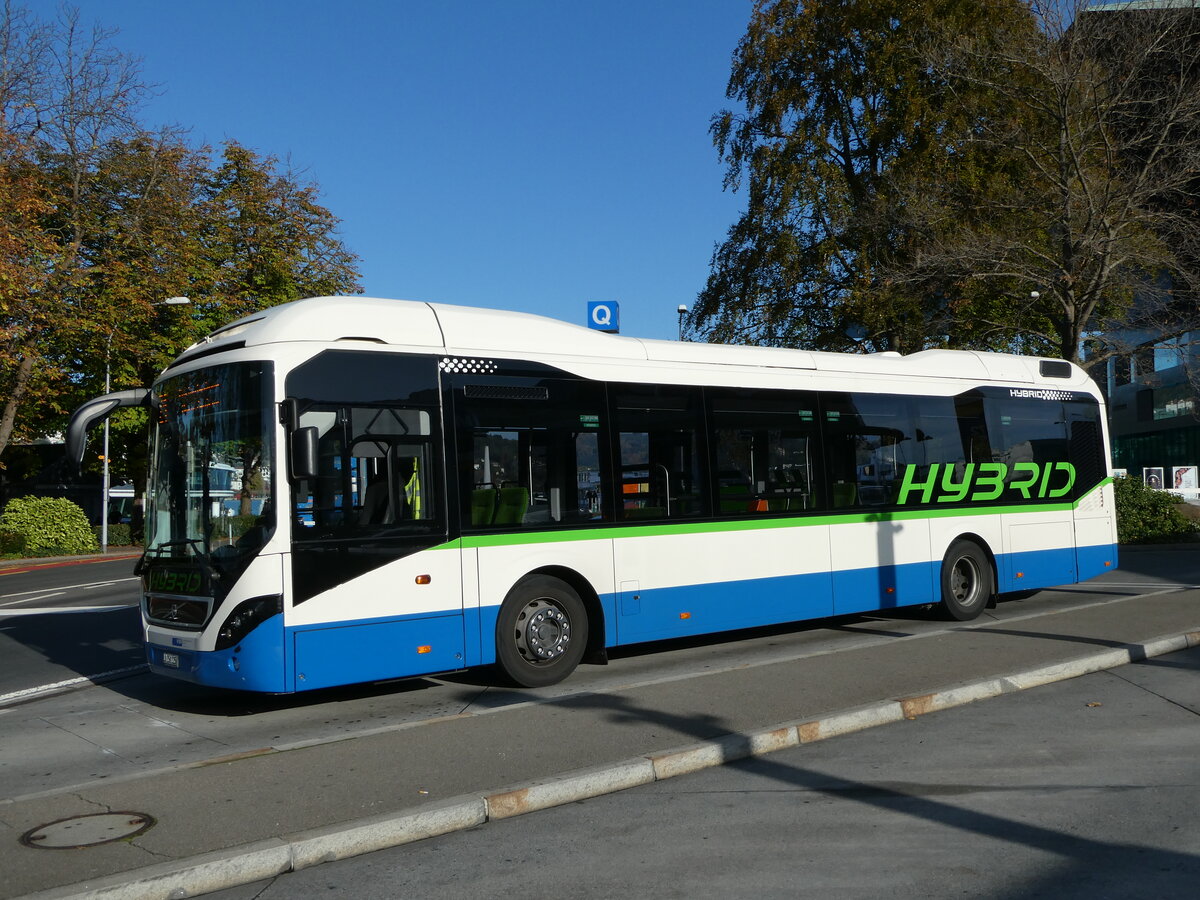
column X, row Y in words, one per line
column 237, row 820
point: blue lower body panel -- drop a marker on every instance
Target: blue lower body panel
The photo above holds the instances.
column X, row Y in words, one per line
column 256, row 663
column 1036, row 569
column 662, row 613
column 885, row 587
column 352, row 652
column 1093, row 561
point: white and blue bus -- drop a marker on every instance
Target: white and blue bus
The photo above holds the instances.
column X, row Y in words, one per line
column 425, row 488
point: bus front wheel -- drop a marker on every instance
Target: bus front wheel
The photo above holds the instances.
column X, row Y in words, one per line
column 541, row 633
column 967, row 582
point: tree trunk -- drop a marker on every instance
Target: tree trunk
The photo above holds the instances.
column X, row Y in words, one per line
column 20, row 386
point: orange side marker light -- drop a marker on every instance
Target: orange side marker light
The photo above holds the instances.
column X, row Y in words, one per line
column 424, row 579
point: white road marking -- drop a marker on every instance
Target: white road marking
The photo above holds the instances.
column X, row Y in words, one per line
column 56, row 610
column 70, row 682
column 43, row 593
column 42, row 597
column 72, row 587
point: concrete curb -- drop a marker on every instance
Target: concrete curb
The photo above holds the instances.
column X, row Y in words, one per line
column 254, row 862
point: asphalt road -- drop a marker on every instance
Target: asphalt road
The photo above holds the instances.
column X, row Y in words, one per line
column 33, row 583
column 66, row 622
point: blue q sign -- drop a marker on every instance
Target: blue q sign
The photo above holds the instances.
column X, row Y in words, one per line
column 604, row 316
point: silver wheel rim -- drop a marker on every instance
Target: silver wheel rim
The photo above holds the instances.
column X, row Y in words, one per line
column 543, row 631
column 964, row 581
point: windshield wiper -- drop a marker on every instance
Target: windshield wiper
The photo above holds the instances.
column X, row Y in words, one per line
column 196, row 543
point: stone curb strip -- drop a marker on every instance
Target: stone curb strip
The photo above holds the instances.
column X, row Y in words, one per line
column 255, row 862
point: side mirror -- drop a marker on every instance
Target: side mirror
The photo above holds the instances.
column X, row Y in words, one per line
column 304, row 453
column 94, row 411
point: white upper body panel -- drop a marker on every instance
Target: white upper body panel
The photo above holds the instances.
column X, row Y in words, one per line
column 460, row 331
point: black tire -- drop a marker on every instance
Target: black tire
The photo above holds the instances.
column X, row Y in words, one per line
column 967, row 581
column 541, row 633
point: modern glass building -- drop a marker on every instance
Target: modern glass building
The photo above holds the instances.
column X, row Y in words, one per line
column 1154, row 410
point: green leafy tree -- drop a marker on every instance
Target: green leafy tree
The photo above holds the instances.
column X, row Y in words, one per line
column 268, row 239
column 1100, row 232
column 846, row 123
column 1011, row 175
column 141, row 244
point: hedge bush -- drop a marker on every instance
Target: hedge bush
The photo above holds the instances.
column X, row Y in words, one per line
column 12, row 544
column 50, row 526
column 1147, row 516
column 118, row 535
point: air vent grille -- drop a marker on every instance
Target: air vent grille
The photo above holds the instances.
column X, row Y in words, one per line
column 1054, row 368
column 505, row 392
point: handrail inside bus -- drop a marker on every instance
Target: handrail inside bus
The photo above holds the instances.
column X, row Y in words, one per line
column 94, row 411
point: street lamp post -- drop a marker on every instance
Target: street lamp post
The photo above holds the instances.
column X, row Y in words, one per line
column 682, row 310
column 104, row 481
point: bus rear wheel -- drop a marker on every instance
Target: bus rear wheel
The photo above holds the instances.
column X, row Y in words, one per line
column 541, row 632
column 967, row 582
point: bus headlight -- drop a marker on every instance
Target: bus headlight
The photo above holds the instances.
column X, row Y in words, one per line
column 247, row 616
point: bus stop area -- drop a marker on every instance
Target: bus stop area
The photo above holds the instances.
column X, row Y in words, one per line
column 270, row 810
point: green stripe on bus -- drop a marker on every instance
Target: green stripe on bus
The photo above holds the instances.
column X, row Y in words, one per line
column 708, row 527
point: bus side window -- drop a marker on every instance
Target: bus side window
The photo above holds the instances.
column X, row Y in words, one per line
column 659, row 441
column 764, row 445
column 1026, row 431
column 1086, row 446
column 529, row 452
column 872, row 440
column 374, row 472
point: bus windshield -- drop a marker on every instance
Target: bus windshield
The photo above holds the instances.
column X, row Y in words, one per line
column 210, row 468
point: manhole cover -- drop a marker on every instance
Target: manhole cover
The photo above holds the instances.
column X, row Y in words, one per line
column 78, row 832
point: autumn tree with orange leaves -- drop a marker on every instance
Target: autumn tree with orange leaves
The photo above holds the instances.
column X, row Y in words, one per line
column 102, row 218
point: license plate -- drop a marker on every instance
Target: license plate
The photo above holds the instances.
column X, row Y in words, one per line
column 171, row 659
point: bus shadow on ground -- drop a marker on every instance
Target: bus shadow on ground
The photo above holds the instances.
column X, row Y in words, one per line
column 489, row 676
column 76, row 643
column 1179, row 562
column 1087, row 866
column 193, row 699
column 1184, row 659
column 37, row 651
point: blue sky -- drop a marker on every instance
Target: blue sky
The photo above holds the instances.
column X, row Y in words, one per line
column 519, row 154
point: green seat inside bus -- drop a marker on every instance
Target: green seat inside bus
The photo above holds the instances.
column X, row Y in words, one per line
column 734, row 497
column 511, row 505
column 844, row 494
column 483, row 506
